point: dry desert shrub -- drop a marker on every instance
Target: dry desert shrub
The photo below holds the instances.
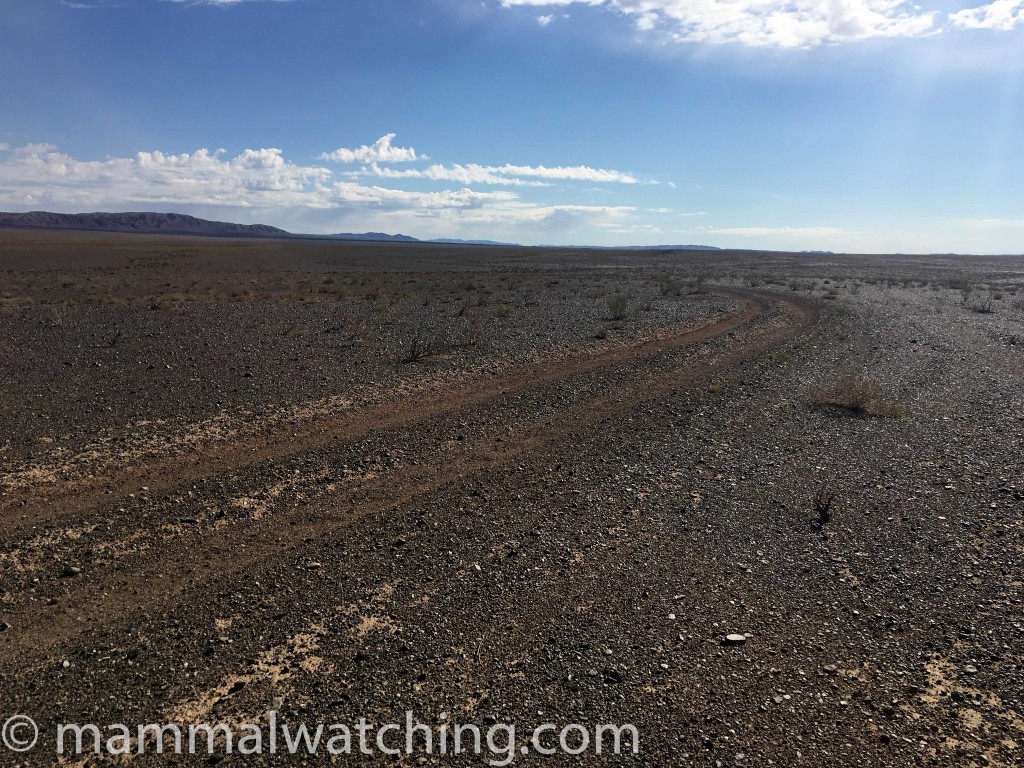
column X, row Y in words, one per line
column 427, row 335
column 618, row 306
column 858, row 395
column 670, row 286
column 475, row 331
column 983, row 304
column 422, row 344
column 962, row 285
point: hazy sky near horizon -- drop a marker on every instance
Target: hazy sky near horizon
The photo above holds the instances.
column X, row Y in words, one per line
column 847, row 125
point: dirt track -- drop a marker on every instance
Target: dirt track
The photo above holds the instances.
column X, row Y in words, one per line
column 565, row 534
column 180, row 556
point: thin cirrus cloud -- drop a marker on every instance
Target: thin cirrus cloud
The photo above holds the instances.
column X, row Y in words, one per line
column 463, row 174
column 509, row 175
column 39, row 176
column 787, row 24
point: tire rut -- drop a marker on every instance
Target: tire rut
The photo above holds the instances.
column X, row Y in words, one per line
column 23, row 509
column 163, row 573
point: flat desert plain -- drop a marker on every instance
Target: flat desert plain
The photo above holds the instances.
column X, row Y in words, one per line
column 510, row 485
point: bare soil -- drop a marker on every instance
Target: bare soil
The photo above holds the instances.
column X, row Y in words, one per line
column 345, row 480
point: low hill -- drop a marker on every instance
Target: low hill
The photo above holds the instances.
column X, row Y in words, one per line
column 166, row 223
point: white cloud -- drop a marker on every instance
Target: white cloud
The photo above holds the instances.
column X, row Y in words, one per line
column 567, row 173
column 674, row 212
column 779, row 23
column 637, row 229
column 380, row 151
column 1002, row 15
column 270, row 188
column 646, row 21
column 4, row 146
column 545, row 20
column 463, row 174
column 509, row 175
column 39, row 173
column 253, row 178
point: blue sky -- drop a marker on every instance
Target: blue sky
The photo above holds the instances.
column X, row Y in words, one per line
column 848, row 125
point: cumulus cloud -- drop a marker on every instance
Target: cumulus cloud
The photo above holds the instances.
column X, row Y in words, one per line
column 252, row 178
column 380, row 151
column 779, row 23
column 39, row 176
column 545, row 20
column 1002, row 15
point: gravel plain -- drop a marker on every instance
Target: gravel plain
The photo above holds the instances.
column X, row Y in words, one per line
column 521, row 486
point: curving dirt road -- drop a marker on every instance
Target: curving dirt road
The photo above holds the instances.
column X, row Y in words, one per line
column 182, row 537
column 316, row 531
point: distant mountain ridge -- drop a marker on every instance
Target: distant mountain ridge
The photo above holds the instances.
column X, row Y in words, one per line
column 170, row 224
column 182, row 224
column 167, row 223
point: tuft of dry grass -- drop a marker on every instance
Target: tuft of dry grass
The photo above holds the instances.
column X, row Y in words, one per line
column 821, row 504
column 858, row 395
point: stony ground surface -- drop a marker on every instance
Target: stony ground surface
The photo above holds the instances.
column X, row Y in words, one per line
column 226, row 489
